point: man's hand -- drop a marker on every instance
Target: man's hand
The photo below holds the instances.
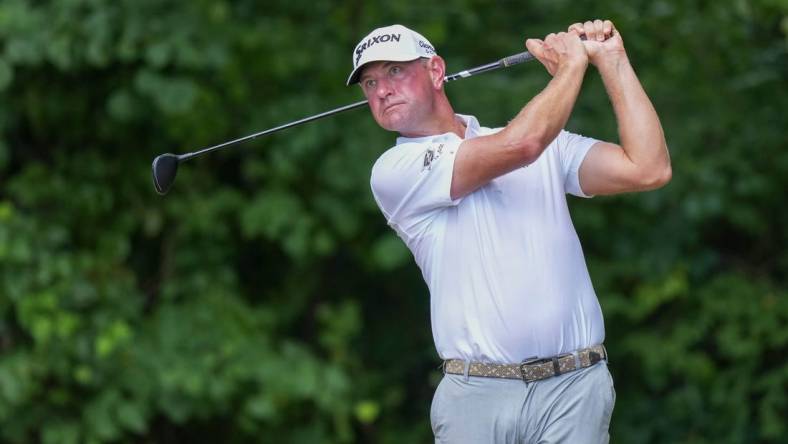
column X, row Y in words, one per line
column 558, row 51
column 603, row 42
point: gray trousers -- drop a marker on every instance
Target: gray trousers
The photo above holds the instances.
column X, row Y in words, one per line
column 571, row 408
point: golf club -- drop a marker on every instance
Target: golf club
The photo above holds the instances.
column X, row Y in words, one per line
column 165, row 166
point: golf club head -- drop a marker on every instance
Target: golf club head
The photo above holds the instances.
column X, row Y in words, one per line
column 165, row 167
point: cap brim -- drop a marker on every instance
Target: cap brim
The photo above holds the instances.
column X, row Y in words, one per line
column 356, row 73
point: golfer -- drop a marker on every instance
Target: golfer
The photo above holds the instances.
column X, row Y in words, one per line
column 484, row 212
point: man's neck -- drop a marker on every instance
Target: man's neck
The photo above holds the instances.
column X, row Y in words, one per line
column 444, row 122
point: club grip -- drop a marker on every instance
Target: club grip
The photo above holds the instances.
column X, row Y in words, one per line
column 524, row 56
column 517, row 58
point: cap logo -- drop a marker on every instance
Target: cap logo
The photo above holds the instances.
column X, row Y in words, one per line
column 373, row 40
column 427, row 46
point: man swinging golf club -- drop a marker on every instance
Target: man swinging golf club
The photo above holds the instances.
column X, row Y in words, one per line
column 514, row 314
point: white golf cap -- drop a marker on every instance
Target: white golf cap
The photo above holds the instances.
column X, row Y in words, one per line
column 394, row 43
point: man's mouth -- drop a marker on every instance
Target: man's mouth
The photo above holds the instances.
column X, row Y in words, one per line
column 389, row 107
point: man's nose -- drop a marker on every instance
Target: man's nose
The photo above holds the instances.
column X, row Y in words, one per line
column 383, row 88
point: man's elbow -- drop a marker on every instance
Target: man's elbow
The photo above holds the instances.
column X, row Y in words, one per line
column 657, row 178
column 529, row 149
column 522, row 150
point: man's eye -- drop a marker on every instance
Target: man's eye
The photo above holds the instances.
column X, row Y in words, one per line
column 395, row 70
column 369, row 83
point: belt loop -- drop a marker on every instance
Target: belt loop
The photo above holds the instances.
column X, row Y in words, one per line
column 466, row 370
column 577, row 359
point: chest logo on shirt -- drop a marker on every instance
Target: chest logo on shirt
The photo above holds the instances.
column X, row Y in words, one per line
column 432, row 154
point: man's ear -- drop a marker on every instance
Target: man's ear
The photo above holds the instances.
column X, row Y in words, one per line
column 437, row 68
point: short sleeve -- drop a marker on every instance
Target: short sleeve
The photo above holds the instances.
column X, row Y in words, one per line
column 412, row 182
column 572, row 149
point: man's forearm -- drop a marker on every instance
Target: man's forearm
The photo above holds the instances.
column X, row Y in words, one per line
column 540, row 121
column 639, row 128
column 482, row 159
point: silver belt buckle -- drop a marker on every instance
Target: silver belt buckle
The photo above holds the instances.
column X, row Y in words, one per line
column 526, row 362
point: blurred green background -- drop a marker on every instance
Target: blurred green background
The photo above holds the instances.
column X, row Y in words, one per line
column 265, row 299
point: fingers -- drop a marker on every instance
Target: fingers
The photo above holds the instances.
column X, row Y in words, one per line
column 590, row 30
column 540, row 50
column 557, row 48
column 594, row 30
column 555, row 42
column 607, row 28
column 535, row 47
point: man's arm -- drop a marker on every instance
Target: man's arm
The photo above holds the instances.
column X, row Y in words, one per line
column 642, row 161
column 482, row 159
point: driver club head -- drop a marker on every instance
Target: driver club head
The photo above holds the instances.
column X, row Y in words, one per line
column 165, row 167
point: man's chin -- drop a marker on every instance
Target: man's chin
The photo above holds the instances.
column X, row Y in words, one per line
column 391, row 125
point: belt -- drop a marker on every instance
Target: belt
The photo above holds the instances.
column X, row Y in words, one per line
column 532, row 369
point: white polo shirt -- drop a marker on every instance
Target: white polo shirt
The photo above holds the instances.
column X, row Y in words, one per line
column 504, row 266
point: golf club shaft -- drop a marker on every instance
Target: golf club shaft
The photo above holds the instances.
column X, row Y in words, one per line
column 503, row 63
column 187, row 156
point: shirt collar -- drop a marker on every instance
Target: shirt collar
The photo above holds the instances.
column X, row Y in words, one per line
column 471, row 131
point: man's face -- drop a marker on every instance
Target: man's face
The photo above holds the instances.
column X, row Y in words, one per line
column 399, row 94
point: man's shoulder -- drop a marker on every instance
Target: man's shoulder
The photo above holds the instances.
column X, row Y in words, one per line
column 393, row 155
column 484, row 131
column 405, row 153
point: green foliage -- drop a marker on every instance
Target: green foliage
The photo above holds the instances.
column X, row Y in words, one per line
column 265, row 299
